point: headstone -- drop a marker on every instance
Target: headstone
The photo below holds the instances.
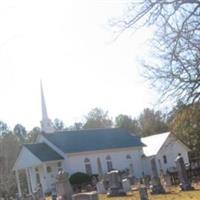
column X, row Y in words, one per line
column 100, row 188
column 115, row 184
column 156, row 186
column 38, row 193
column 63, row 187
column 182, row 174
column 94, row 180
column 126, row 185
column 85, row 196
column 146, row 180
column 143, row 193
column 168, row 179
column 17, row 197
column 89, row 188
column 28, row 197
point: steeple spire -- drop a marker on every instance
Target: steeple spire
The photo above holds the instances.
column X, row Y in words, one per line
column 46, row 123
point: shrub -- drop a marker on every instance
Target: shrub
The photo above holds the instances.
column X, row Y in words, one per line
column 79, row 178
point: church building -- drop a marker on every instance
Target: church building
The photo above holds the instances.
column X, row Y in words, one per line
column 92, row 151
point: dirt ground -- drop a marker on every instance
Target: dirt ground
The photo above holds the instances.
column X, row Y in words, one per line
column 173, row 194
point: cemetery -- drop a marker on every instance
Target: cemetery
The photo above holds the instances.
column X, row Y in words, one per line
column 134, row 65
column 100, row 164
column 117, row 186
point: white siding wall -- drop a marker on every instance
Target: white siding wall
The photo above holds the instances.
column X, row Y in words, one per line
column 147, row 165
column 118, row 157
column 48, row 181
column 51, row 176
column 171, row 149
column 33, row 177
column 26, row 159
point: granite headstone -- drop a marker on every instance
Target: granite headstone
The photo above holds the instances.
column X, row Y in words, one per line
column 63, row 187
column 182, row 174
column 143, row 193
column 126, row 185
column 100, row 187
column 115, row 184
column 156, row 186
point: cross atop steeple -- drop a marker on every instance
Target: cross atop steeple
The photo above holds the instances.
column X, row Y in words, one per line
column 46, row 123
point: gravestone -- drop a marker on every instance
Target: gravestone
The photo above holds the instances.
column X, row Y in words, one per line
column 63, row 187
column 100, row 188
column 126, row 185
column 156, row 186
column 146, row 180
column 85, row 196
column 115, row 184
column 143, row 193
column 168, row 179
column 38, row 193
column 94, row 180
column 27, row 197
column 182, row 174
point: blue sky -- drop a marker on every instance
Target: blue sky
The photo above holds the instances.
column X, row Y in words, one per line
column 71, row 47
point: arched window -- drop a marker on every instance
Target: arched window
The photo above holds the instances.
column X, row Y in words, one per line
column 128, row 157
column 87, row 160
column 49, row 169
column 108, row 157
column 165, row 159
column 130, row 164
column 109, row 163
column 88, row 167
column 59, row 164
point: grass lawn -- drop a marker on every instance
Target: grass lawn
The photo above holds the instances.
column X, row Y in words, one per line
column 174, row 194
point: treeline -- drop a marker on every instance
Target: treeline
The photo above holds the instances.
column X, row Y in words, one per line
column 10, row 144
column 183, row 120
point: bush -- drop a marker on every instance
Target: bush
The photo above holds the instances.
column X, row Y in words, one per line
column 79, row 178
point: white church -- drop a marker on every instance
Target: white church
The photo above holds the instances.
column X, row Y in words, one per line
column 84, row 150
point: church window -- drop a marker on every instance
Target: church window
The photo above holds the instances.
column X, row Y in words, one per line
column 131, row 169
column 37, row 178
column 88, row 167
column 48, row 169
column 165, row 159
column 159, row 162
column 109, row 163
column 129, row 160
column 59, row 164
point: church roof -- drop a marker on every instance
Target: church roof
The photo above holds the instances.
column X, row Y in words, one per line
column 43, row 152
column 93, row 139
column 154, row 143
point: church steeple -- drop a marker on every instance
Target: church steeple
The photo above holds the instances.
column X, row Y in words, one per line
column 46, row 123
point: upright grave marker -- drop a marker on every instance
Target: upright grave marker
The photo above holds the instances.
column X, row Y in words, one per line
column 115, row 184
column 182, row 174
column 156, row 186
column 63, row 187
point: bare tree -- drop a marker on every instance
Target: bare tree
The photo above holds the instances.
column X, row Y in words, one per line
column 175, row 67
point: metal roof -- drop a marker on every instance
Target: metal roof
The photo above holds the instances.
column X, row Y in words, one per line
column 93, row 139
column 154, row 143
column 43, row 152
